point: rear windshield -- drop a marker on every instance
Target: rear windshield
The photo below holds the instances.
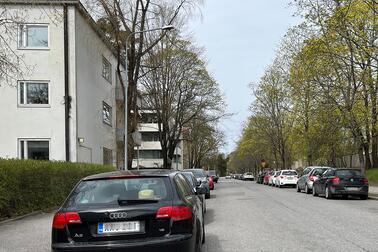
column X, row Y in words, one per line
column 289, row 173
column 198, row 173
column 348, row 173
column 110, row 191
column 248, row 173
column 319, row 171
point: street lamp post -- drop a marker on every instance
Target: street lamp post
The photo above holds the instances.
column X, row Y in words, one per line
column 126, row 84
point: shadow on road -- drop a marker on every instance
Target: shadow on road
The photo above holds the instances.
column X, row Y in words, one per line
column 213, row 244
column 209, row 216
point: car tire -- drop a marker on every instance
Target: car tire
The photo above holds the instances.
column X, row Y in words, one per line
column 328, row 194
column 207, row 196
column 314, row 191
column 298, row 189
column 307, row 191
column 363, row 197
column 203, row 234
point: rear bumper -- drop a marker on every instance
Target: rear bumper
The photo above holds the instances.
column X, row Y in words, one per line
column 341, row 190
column 288, row 182
column 172, row 243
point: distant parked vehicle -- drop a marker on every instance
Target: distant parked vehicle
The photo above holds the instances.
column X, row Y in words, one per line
column 341, row 182
column 272, row 178
column 287, row 178
column 266, row 178
column 228, row 177
column 201, row 177
column 248, row 176
column 310, row 174
column 214, row 175
column 211, row 183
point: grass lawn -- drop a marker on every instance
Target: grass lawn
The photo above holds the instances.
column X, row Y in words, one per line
column 372, row 175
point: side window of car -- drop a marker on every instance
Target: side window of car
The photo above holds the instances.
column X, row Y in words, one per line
column 183, row 186
column 306, row 171
column 328, row 173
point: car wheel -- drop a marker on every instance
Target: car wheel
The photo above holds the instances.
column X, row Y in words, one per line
column 207, row 196
column 328, row 194
column 314, row 191
column 364, row 197
column 298, row 189
column 203, row 234
column 307, row 191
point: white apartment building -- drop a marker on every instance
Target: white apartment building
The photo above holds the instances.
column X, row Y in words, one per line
column 65, row 108
column 150, row 154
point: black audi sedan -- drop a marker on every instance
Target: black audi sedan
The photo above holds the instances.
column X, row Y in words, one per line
column 341, row 182
column 130, row 211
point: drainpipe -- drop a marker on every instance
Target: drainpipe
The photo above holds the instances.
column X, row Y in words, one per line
column 67, row 98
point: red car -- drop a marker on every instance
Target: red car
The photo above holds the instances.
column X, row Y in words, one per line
column 266, row 178
column 211, row 183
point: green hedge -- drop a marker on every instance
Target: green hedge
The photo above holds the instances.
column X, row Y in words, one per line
column 30, row 185
column 372, row 175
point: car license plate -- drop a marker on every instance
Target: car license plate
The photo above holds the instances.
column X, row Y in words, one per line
column 353, row 189
column 119, row 227
column 289, row 178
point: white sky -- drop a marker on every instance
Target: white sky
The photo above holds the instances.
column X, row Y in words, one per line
column 240, row 38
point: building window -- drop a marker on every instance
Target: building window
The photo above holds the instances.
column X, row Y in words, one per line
column 33, row 36
column 30, row 93
column 149, row 118
column 149, row 154
column 106, row 70
column 107, row 156
column 150, row 137
column 106, row 114
column 34, row 149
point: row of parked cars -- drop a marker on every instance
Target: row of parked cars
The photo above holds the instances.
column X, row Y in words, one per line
column 147, row 210
column 327, row 181
column 245, row 176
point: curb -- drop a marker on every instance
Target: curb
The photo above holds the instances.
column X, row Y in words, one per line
column 373, row 196
column 48, row 210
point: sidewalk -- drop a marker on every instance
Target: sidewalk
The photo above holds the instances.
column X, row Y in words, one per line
column 373, row 192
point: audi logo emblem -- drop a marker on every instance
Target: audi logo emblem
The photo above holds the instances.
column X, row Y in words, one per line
column 121, row 215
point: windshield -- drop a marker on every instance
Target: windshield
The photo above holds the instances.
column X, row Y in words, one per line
column 110, row 191
column 289, row 173
column 347, row 173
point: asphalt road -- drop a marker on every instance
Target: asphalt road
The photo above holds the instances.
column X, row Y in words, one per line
column 246, row 217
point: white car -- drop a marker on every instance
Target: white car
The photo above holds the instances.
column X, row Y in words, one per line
column 248, row 176
column 272, row 178
column 287, row 178
column 228, row 177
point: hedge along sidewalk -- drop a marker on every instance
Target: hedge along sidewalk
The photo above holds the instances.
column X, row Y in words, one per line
column 28, row 185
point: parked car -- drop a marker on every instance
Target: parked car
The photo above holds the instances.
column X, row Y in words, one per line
column 211, row 183
column 214, row 175
column 272, row 178
column 228, row 177
column 341, row 182
column 260, row 178
column 287, row 178
column 125, row 210
column 195, row 185
column 310, row 174
column 201, row 176
column 248, row 176
column 266, row 177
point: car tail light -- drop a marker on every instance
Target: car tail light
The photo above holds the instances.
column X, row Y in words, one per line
column 366, row 181
column 62, row 219
column 282, row 177
column 312, row 178
column 176, row 213
column 335, row 180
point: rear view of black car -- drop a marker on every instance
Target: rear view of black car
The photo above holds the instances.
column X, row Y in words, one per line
column 130, row 211
column 341, row 182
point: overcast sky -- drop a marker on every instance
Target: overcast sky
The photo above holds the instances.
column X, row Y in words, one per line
column 240, row 38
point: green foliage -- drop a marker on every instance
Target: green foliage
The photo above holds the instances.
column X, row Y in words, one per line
column 30, row 185
column 372, row 175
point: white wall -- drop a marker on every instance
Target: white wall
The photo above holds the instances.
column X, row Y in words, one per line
column 92, row 89
column 17, row 122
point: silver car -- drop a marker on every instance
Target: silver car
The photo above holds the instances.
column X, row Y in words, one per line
column 310, row 174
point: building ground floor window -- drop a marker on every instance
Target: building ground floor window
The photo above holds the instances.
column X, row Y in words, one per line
column 38, row 149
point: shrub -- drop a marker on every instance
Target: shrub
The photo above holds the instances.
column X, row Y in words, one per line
column 372, row 175
column 30, row 185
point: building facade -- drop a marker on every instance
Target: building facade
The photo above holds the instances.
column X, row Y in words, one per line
column 64, row 108
column 150, row 151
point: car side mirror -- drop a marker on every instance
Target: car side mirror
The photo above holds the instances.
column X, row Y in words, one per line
column 199, row 183
column 200, row 190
